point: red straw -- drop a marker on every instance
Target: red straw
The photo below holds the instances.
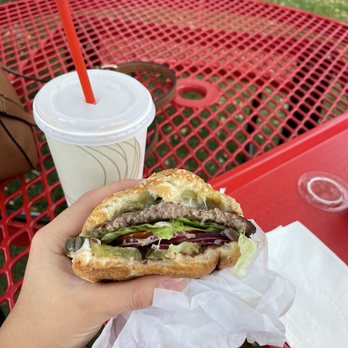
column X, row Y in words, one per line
column 75, row 49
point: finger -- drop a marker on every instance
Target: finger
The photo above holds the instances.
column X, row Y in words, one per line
column 70, row 221
column 133, row 294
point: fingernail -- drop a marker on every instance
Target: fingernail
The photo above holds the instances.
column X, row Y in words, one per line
column 177, row 284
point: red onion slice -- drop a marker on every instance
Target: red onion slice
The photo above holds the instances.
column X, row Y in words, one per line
column 216, row 242
column 204, row 238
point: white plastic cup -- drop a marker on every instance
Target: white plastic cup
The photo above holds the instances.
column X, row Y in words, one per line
column 94, row 145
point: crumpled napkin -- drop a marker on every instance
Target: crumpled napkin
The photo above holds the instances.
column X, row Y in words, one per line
column 319, row 315
column 219, row 310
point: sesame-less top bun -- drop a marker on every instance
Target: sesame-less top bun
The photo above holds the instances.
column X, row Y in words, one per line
column 172, row 185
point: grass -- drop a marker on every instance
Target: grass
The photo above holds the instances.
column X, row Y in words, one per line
column 337, row 9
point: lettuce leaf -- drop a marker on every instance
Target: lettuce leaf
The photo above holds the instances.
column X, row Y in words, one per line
column 202, row 225
column 164, row 229
column 247, row 250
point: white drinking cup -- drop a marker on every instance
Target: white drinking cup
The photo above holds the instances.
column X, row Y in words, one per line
column 93, row 145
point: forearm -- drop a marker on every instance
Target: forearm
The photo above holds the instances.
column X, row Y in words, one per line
column 14, row 334
column 20, row 332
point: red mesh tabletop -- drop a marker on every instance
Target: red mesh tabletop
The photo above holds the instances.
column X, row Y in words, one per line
column 250, row 77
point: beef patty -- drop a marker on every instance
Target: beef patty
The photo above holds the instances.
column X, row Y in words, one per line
column 170, row 211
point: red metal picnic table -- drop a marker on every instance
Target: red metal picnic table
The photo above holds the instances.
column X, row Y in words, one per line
column 251, row 76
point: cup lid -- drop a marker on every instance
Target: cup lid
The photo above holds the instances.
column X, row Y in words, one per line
column 123, row 108
column 324, row 191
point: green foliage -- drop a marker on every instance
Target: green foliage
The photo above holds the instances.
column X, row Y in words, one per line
column 337, row 9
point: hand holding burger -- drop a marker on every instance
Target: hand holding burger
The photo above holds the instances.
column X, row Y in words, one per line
column 171, row 225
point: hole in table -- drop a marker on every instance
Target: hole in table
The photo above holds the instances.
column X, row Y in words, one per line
column 4, row 310
column 19, row 217
column 195, row 93
column 17, row 293
column 38, row 206
column 35, row 189
column 19, row 268
column 14, row 203
column 59, row 208
column 12, row 186
column 19, row 244
column 2, row 258
column 3, row 284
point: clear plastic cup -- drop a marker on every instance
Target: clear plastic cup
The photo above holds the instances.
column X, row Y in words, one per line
column 94, row 145
column 324, row 191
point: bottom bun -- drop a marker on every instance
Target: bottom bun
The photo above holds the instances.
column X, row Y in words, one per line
column 95, row 268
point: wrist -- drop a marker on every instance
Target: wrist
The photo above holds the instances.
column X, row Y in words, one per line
column 18, row 332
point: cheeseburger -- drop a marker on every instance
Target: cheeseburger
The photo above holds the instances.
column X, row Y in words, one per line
column 171, row 224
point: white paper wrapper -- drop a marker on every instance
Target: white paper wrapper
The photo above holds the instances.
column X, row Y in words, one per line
column 219, row 310
column 319, row 315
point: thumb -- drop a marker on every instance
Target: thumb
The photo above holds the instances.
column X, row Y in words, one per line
column 135, row 294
